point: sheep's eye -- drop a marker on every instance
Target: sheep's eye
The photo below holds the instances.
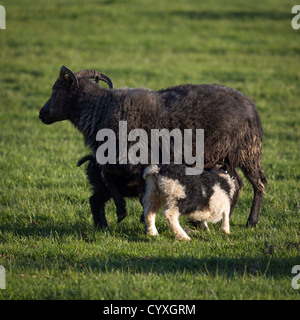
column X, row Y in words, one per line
column 53, row 91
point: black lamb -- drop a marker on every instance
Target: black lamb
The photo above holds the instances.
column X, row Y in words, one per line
column 126, row 186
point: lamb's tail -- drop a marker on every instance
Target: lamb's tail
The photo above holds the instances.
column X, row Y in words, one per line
column 152, row 169
column 84, row 159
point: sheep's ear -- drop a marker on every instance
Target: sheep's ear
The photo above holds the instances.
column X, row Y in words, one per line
column 66, row 73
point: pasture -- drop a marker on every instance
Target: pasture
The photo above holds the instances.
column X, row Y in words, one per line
column 48, row 244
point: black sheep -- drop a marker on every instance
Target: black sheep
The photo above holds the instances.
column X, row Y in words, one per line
column 233, row 131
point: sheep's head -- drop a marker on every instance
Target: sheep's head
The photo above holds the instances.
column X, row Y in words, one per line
column 64, row 93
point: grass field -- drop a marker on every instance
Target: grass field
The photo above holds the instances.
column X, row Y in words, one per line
column 48, row 244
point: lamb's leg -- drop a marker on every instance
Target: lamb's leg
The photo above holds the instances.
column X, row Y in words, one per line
column 200, row 225
column 116, row 195
column 225, row 222
column 150, row 215
column 97, row 205
column 204, row 226
column 172, row 216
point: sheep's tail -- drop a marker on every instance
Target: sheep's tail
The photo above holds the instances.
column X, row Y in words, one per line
column 84, row 159
column 153, row 169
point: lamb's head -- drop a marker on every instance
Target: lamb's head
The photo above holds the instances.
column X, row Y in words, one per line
column 65, row 92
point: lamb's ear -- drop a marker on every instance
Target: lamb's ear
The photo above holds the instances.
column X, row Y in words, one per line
column 66, row 73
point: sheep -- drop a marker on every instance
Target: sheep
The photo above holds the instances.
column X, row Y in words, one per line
column 204, row 198
column 125, row 184
column 232, row 126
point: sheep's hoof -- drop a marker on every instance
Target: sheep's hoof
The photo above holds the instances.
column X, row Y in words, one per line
column 122, row 216
column 251, row 224
column 187, row 238
column 101, row 226
column 142, row 218
column 153, row 234
column 189, row 231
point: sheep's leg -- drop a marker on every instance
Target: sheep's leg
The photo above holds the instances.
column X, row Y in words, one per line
column 98, row 210
column 200, row 224
column 255, row 208
column 204, row 226
column 97, row 204
column 141, row 193
column 172, row 216
column 225, row 222
column 259, row 182
column 238, row 187
column 150, row 215
column 116, row 195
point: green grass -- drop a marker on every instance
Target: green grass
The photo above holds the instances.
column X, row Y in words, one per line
column 44, row 209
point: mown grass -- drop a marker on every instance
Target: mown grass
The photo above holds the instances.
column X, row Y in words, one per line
column 48, row 244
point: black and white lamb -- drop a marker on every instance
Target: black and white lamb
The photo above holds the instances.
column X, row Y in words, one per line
column 125, row 185
column 204, row 198
column 233, row 131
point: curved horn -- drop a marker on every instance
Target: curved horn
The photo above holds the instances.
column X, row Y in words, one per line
column 65, row 71
column 92, row 74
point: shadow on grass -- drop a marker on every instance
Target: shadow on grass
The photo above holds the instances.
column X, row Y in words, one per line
column 212, row 267
column 131, row 231
column 265, row 264
column 228, row 15
column 44, row 230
